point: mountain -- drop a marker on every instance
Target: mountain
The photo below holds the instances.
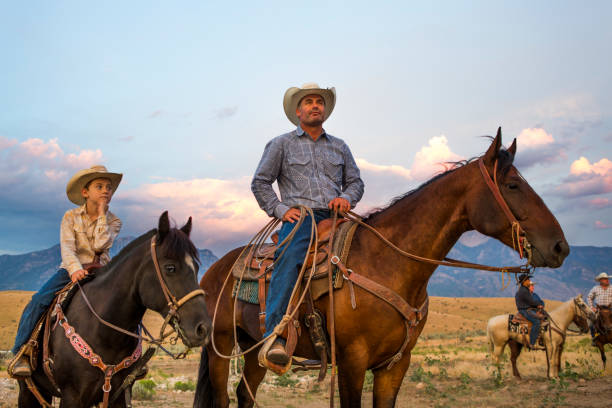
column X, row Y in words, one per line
column 575, row 276
column 30, row 271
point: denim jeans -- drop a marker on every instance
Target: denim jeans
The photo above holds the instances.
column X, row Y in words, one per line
column 531, row 315
column 38, row 305
column 287, row 269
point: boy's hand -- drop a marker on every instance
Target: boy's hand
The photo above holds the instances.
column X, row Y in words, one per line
column 292, row 215
column 102, row 207
column 78, row 275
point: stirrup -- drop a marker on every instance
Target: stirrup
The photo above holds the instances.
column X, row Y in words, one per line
column 263, row 358
column 22, row 355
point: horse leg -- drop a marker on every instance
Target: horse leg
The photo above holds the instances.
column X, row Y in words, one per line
column 548, row 352
column 352, row 366
column 515, row 352
column 27, row 400
column 600, row 346
column 497, row 351
column 558, row 360
column 252, row 375
column 388, row 382
column 211, row 390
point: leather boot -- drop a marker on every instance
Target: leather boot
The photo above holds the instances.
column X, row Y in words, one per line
column 277, row 353
column 22, row 368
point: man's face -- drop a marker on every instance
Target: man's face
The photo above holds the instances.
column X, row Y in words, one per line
column 604, row 282
column 98, row 189
column 531, row 287
column 311, row 110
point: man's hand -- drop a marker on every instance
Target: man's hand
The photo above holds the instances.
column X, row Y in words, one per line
column 594, row 309
column 292, row 215
column 78, row 275
column 339, row 204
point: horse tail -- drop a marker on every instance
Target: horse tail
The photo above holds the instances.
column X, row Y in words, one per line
column 204, row 391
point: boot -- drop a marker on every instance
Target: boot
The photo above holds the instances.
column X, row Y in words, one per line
column 21, row 367
column 277, row 353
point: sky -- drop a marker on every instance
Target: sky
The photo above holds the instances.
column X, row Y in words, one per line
column 181, row 97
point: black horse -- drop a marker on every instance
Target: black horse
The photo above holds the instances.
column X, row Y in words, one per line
column 120, row 294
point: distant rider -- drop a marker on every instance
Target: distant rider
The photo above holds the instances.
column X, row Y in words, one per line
column 600, row 295
column 528, row 303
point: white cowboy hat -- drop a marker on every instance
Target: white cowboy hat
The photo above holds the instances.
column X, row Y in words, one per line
column 82, row 177
column 602, row 275
column 294, row 95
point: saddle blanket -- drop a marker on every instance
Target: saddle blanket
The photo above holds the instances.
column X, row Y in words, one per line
column 523, row 327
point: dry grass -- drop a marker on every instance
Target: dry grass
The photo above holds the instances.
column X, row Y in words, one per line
column 450, row 367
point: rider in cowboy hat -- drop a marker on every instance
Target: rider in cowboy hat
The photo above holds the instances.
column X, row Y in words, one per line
column 527, row 305
column 600, row 295
column 312, row 168
column 87, row 233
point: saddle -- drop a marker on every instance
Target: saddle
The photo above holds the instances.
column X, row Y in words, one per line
column 517, row 323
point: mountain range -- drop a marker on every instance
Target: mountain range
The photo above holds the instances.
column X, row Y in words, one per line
column 29, row 271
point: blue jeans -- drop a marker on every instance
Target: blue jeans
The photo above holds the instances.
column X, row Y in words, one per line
column 39, row 304
column 287, row 269
column 535, row 329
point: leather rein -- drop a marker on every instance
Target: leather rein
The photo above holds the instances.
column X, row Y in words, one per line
column 85, row 351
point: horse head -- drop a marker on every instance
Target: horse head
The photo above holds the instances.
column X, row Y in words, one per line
column 583, row 314
column 169, row 284
column 538, row 225
column 604, row 314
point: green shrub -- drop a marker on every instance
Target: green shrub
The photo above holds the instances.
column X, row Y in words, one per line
column 184, row 386
column 143, row 390
column 285, row 381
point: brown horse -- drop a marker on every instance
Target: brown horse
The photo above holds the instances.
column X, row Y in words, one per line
column 603, row 325
column 427, row 221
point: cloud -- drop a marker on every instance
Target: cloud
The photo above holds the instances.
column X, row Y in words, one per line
column 401, row 171
column 224, row 212
column 534, row 137
column 431, row 159
column 5, row 142
column 126, row 139
column 599, row 203
column 601, row 225
column 156, row 114
column 226, row 112
column 587, row 179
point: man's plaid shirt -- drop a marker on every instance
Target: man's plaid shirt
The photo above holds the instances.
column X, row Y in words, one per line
column 601, row 296
column 308, row 173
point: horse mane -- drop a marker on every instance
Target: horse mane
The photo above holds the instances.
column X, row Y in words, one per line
column 504, row 162
column 128, row 248
column 176, row 244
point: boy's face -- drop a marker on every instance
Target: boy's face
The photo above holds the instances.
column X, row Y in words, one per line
column 98, row 190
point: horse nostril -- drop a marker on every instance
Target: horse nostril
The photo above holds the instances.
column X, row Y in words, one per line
column 201, row 330
column 561, row 248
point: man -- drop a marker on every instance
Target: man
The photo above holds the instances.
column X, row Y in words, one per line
column 600, row 295
column 527, row 305
column 535, row 295
column 312, row 168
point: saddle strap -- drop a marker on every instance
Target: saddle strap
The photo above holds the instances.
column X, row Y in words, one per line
column 261, row 294
column 34, row 390
column 85, row 351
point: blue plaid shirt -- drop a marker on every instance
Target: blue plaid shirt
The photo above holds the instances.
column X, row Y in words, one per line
column 308, row 173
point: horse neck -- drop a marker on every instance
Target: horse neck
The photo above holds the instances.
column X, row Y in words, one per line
column 427, row 222
column 564, row 314
column 114, row 297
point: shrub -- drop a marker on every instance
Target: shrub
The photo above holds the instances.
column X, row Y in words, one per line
column 143, row 390
column 185, row 386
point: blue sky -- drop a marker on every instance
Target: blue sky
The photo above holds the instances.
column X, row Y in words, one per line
column 182, row 97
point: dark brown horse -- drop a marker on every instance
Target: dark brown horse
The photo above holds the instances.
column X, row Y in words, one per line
column 120, row 294
column 603, row 325
column 427, row 222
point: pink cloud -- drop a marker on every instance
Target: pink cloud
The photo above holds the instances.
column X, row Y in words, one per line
column 534, row 138
column 582, row 166
column 6, row 143
column 401, row 171
column 601, row 225
column 431, row 158
column 599, row 203
column 587, row 179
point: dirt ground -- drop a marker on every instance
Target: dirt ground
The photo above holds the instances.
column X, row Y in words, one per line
column 450, row 367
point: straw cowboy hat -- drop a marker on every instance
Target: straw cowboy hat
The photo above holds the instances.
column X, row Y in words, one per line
column 294, row 95
column 602, row 275
column 81, row 178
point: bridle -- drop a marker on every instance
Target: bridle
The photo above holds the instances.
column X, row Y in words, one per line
column 173, row 304
column 519, row 237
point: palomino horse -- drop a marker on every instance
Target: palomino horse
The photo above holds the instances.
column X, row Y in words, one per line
column 603, row 324
column 120, row 293
column 574, row 310
column 427, row 222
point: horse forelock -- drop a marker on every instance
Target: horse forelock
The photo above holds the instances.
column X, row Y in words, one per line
column 176, row 245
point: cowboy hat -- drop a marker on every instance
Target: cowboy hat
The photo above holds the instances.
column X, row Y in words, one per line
column 82, row 177
column 294, row 95
column 602, row 275
column 523, row 277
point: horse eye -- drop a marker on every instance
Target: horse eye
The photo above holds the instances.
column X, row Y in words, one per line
column 170, row 268
column 513, row 186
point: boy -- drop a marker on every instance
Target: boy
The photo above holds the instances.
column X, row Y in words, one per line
column 86, row 236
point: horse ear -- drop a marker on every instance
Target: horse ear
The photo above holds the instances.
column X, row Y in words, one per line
column 512, row 148
column 187, row 227
column 164, row 226
column 491, row 154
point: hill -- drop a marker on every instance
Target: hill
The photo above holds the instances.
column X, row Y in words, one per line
column 29, row 271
